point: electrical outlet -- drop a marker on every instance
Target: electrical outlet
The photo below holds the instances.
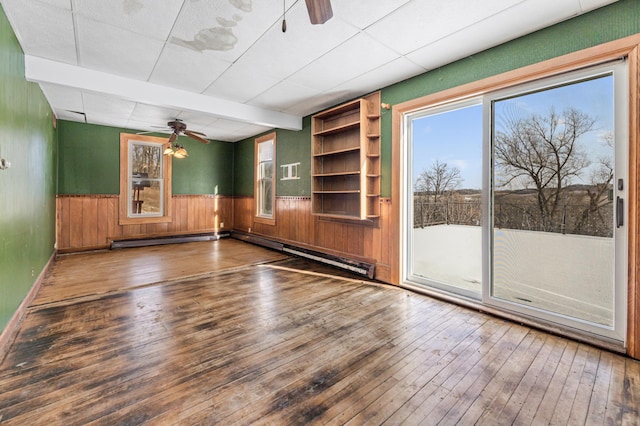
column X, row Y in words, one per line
column 33, row 272
column 221, row 224
column 249, row 230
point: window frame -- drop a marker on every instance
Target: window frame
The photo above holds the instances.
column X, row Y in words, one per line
column 126, row 139
column 258, row 217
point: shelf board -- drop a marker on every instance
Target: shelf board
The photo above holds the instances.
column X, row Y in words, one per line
column 356, row 172
column 338, row 216
column 373, row 116
column 373, row 176
column 373, row 155
column 373, row 216
column 373, row 135
column 345, row 191
column 338, row 129
column 338, row 151
column 341, row 109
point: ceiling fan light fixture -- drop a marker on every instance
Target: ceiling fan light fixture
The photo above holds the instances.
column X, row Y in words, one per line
column 168, row 150
column 180, row 152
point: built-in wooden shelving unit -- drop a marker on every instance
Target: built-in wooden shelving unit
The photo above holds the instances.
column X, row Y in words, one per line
column 345, row 171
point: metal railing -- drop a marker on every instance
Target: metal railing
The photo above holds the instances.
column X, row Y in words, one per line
column 577, row 219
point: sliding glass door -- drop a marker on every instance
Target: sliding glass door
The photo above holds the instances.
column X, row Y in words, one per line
column 517, row 199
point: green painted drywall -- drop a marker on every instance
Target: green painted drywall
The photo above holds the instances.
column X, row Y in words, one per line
column 27, row 188
column 89, row 160
column 243, row 167
column 207, row 170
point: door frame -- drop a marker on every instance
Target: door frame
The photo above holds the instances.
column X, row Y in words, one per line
column 626, row 47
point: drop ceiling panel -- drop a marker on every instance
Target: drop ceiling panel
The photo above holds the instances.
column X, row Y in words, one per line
column 64, row 98
column 108, row 106
column 115, row 50
column 421, row 22
column 279, row 54
column 341, row 64
column 225, row 27
column 43, row 30
column 522, row 19
column 64, row 4
column 385, row 75
column 153, row 18
column 283, row 95
column 240, row 83
column 364, row 13
column 153, row 114
column 187, row 69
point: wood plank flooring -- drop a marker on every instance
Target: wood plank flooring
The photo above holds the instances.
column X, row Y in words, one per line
column 229, row 333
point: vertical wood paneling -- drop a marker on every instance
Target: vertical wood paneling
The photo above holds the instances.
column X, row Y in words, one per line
column 91, row 221
column 296, row 225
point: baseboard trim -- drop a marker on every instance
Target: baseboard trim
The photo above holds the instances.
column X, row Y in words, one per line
column 9, row 332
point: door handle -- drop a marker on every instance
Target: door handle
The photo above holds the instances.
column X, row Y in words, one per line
column 619, row 212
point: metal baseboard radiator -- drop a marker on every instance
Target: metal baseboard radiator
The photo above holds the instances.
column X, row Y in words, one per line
column 173, row 239
column 357, row 267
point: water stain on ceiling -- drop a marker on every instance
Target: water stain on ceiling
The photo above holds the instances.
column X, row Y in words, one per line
column 219, row 37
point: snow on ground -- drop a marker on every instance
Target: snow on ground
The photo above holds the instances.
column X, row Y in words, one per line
column 568, row 274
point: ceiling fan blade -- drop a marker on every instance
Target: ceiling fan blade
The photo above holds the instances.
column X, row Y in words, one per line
column 319, row 11
column 197, row 133
column 193, row 135
column 173, row 137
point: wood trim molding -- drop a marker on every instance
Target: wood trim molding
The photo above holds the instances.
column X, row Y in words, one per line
column 9, row 331
column 256, row 185
column 124, row 218
column 625, row 47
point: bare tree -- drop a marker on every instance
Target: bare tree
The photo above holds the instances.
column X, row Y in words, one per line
column 437, row 180
column 542, row 153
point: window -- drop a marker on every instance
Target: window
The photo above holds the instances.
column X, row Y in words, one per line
column 265, row 155
column 145, row 180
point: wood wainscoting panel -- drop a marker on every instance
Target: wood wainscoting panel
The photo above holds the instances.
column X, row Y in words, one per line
column 359, row 240
column 86, row 222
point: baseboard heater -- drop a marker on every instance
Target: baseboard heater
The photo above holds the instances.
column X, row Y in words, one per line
column 357, row 267
column 172, row 239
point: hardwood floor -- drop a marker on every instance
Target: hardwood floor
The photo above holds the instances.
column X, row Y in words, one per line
column 229, row 333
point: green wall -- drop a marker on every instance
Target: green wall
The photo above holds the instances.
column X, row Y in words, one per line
column 27, row 189
column 89, row 162
column 609, row 23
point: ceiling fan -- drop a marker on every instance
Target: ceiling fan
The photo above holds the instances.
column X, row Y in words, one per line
column 319, row 11
column 179, row 127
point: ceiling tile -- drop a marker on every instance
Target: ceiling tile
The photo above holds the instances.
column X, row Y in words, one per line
column 196, row 120
column 63, row 4
column 341, row 64
column 422, row 22
column 385, row 75
column 117, row 51
column 587, row 5
column 279, row 54
column 240, row 82
column 107, row 106
column 227, row 28
column 283, row 95
column 62, row 114
column 152, row 18
column 187, row 69
column 152, row 114
column 66, row 98
column 364, row 13
column 522, row 19
column 43, row 30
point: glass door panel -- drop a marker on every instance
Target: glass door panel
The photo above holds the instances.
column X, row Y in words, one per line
column 553, row 200
column 445, row 241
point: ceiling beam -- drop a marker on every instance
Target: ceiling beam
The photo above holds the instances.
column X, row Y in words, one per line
column 46, row 71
